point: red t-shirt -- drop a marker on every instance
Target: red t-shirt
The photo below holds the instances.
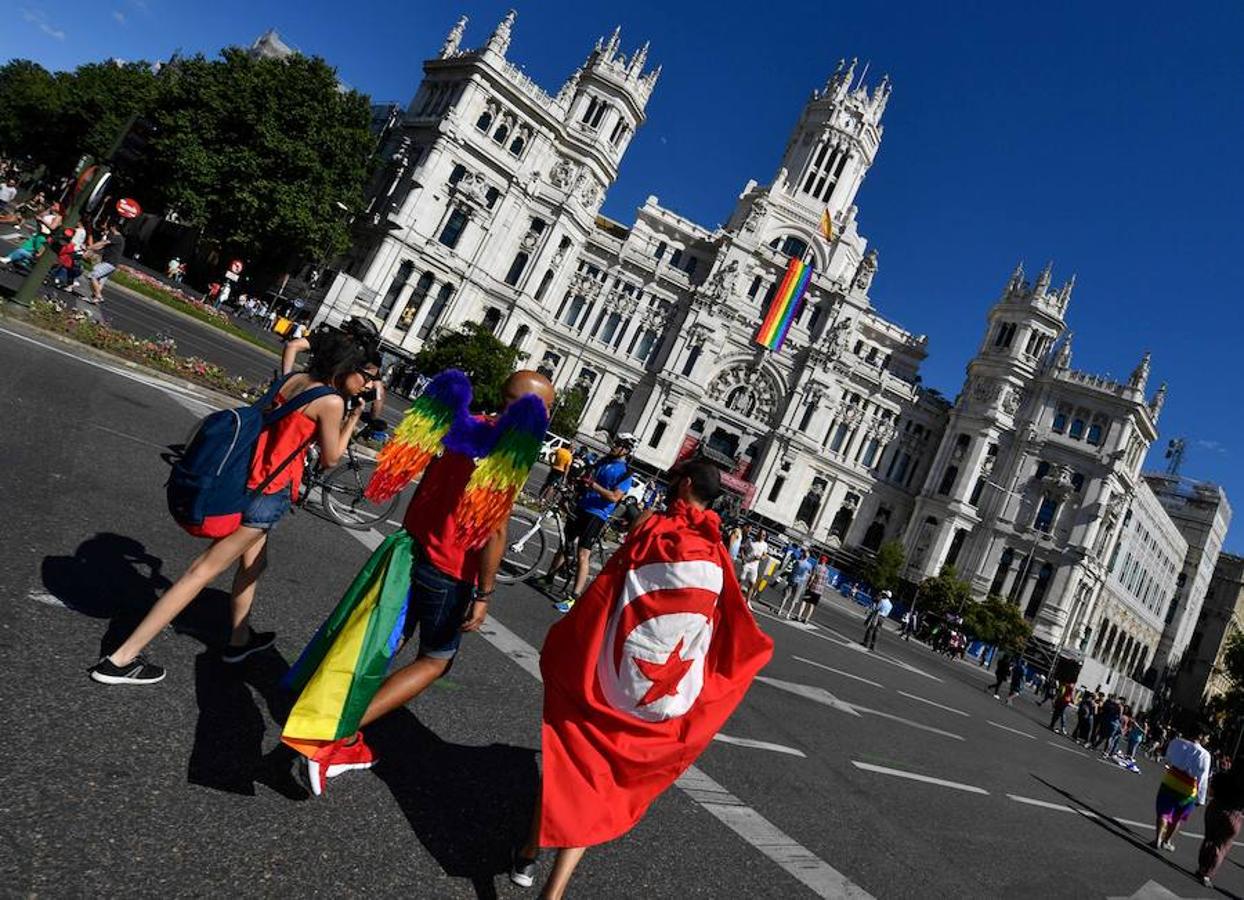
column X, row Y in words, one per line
column 430, row 517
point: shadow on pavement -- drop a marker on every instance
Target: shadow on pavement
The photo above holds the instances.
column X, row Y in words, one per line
column 228, row 737
column 104, row 579
column 469, row 806
column 1114, row 827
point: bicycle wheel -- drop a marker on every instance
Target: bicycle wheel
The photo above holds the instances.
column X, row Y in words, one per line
column 342, row 494
column 525, row 550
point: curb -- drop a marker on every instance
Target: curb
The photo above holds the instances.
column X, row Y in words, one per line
column 137, row 295
column 207, row 395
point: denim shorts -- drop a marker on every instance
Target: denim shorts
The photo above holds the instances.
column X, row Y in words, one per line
column 438, row 607
column 266, row 510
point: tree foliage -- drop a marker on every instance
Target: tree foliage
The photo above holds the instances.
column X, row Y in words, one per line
column 998, row 621
column 569, row 411
column 477, row 352
column 946, row 593
column 887, row 566
column 255, row 153
column 1230, row 705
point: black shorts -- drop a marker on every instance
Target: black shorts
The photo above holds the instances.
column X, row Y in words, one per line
column 812, row 599
column 584, row 529
column 554, row 478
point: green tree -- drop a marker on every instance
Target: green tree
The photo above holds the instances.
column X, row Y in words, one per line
column 31, row 100
column 258, row 153
column 886, row 566
column 997, row 621
column 568, row 411
column 477, row 352
column 946, row 593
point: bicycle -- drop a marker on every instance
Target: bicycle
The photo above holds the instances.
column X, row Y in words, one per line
column 531, row 542
column 341, row 490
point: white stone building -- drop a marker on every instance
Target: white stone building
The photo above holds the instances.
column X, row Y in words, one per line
column 1028, row 484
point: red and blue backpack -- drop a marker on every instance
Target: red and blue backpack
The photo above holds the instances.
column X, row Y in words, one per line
column 206, row 490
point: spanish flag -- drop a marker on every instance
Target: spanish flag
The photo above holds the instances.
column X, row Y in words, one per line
column 827, row 225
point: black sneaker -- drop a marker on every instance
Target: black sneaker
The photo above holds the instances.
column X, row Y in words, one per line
column 259, row 640
column 138, row 671
column 523, row 870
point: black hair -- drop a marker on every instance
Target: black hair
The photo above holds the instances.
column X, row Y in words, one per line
column 705, row 478
column 334, row 354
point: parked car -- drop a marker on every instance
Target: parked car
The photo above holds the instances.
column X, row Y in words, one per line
column 551, row 443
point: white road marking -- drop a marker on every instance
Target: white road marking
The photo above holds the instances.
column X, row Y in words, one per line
column 393, row 522
column 1088, row 814
column 852, row 645
column 820, row 695
column 1150, row 890
column 758, row 745
column 46, row 599
column 816, row 694
column 1059, row 746
column 811, row 662
column 1030, row 737
column 957, row 712
column 927, row 779
column 791, row 856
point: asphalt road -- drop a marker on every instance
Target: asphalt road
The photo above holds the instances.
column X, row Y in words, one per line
column 845, row 773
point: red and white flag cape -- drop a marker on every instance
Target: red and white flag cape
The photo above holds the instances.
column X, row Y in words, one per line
column 641, row 674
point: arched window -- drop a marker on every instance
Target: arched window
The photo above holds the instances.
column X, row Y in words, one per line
column 1045, row 515
column 1044, row 575
column 395, row 287
column 545, row 281
column 790, row 246
column 413, row 305
column 484, row 122
column 502, row 132
column 516, row 268
column 948, row 480
column 457, row 174
column 1077, row 429
column 434, row 312
column 516, row 145
column 874, row 536
column 1004, row 567
column 1094, row 434
column 492, row 318
column 519, row 337
column 1060, row 422
column 454, row 226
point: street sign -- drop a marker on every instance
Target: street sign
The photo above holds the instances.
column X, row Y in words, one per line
column 236, row 267
column 128, row 209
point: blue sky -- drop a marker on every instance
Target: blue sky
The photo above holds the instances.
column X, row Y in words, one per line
column 1105, row 137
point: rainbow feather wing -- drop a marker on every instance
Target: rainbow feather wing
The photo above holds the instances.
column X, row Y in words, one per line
column 500, row 475
column 444, row 403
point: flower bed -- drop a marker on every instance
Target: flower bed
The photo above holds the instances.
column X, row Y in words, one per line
column 160, row 355
column 176, row 298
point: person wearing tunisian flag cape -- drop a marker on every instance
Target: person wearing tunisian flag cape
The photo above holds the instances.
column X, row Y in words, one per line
column 650, row 663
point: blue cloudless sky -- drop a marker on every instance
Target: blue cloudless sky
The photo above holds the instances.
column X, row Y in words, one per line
column 1104, row 137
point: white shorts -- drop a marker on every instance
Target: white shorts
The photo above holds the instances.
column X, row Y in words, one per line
column 750, row 573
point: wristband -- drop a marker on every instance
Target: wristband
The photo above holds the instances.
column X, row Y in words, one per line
column 484, row 595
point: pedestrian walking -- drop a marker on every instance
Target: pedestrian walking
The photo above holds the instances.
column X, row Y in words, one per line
column 734, row 544
column 796, row 584
column 1019, row 671
column 1086, row 712
column 277, row 467
column 1064, row 699
column 1224, row 815
column 755, row 555
column 818, row 581
column 559, row 466
column 1109, row 722
column 1135, row 736
column 877, row 614
column 1184, row 786
column 110, row 249
column 436, row 574
column 615, row 737
column 1002, row 673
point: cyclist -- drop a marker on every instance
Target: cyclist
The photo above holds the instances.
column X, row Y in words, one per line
column 605, row 485
column 563, row 456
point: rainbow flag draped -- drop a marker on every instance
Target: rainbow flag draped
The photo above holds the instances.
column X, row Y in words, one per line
column 785, row 305
column 346, row 662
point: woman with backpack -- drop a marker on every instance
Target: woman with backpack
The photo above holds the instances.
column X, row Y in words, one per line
column 338, row 370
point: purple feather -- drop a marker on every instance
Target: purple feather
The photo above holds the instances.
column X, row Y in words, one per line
column 477, row 437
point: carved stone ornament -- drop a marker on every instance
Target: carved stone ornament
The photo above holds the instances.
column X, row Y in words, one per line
column 755, row 216
column 744, row 390
column 589, row 194
column 985, row 390
column 563, row 174
column 454, row 39
column 720, row 285
column 866, row 270
column 1011, row 400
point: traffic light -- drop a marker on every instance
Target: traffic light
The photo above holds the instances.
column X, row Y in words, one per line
column 136, row 145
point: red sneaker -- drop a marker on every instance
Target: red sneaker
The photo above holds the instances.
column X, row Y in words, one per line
column 333, row 759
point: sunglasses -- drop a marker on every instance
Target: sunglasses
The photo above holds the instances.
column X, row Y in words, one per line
column 367, row 375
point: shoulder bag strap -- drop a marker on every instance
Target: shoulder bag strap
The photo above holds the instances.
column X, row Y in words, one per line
column 275, row 416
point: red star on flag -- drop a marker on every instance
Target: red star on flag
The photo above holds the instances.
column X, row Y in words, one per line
column 665, row 676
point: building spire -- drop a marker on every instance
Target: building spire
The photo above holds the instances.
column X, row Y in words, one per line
column 1140, row 375
column 500, row 40
column 638, row 60
column 615, row 40
column 1043, row 280
column 1063, row 360
column 1064, row 293
column 1015, row 283
column 1158, row 401
column 453, row 40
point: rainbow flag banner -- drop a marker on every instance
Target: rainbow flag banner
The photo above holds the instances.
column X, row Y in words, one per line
column 785, row 306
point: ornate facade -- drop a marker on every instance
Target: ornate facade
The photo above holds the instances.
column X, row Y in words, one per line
column 487, row 212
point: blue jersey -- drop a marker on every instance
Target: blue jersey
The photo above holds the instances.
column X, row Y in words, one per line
column 612, row 474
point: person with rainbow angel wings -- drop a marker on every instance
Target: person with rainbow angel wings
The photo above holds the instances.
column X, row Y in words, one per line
column 436, row 573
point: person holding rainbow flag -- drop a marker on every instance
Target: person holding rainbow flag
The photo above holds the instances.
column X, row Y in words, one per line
column 436, row 573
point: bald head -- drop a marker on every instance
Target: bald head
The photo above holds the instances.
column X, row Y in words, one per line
column 524, row 382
